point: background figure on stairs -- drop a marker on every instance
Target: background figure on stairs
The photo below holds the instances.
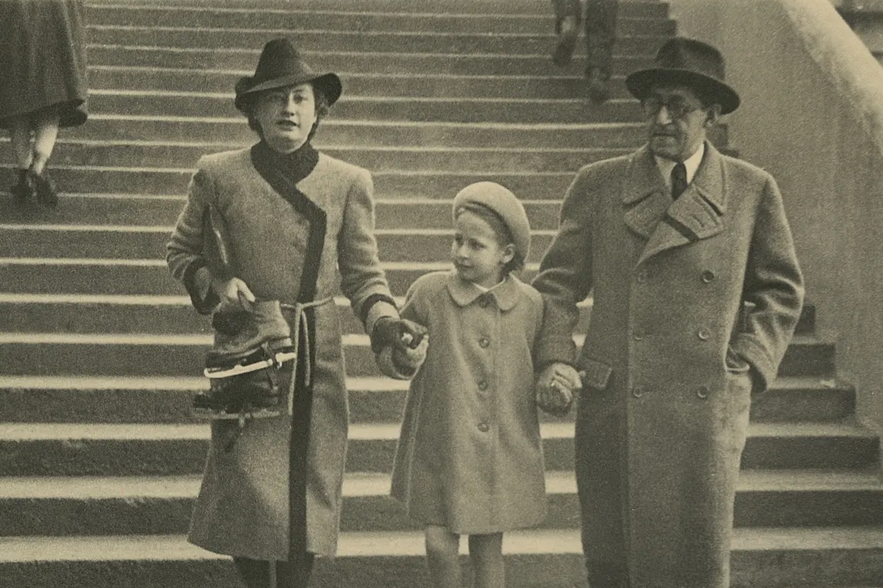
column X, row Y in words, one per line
column 600, row 33
column 697, row 292
column 469, row 459
column 42, row 85
column 301, row 228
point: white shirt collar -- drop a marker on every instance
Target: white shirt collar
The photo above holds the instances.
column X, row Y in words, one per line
column 692, row 164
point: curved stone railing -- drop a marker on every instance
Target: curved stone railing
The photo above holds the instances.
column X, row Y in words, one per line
column 812, row 115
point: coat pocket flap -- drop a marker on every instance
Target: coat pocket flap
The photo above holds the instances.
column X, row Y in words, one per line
column 595, row 374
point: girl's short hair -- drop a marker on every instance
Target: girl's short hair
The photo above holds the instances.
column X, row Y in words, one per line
column 501, row 230
column 250, row 101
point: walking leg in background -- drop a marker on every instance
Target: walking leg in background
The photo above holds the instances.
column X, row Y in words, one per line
column 45, row 123
column 567, row 19
column 600, row 32
column 20, row 135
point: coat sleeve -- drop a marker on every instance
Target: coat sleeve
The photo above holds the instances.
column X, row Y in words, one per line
column 363, row 280
column 565, row 276
column 184, row 249
column 773, row 290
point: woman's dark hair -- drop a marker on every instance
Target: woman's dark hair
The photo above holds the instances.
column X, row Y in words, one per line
column 250, row 101
column 501, row 230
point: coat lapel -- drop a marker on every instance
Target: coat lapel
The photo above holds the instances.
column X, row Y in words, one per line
column 696, row 215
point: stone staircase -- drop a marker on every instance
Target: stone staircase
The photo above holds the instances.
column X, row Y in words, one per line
column 100, row 352
column 866, row 19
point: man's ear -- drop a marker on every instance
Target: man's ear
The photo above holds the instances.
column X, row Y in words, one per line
column 713, row 114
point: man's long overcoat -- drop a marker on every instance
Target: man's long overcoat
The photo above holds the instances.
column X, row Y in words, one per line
column 678, row 288
column 243, row 505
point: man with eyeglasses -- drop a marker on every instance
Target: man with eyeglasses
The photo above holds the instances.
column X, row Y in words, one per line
column 696, row 293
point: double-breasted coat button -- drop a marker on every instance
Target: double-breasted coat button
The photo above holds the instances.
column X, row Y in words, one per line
column 707, row 276
column 702, row 392
column 641, row 276
column 482, row 385
column 483, row 427
column 637, row 391
column 703, row 334
column 484, row 342
column 638, row 335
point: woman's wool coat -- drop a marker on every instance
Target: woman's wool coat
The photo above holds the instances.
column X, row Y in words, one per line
column 243, row 505
column 694, row 301
column 470, row 456
column 43, row 59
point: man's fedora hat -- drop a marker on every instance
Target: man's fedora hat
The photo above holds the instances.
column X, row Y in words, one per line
column 687, row 62
column 279, row 66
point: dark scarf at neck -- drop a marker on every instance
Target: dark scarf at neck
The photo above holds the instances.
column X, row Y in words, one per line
column 294, row 166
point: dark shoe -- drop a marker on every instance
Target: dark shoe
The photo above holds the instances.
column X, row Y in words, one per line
column 25, row 189
column 568, row 29
column 599, row 85
column 47, row 193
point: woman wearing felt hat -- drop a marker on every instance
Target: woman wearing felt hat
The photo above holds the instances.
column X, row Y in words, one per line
column 300, row 226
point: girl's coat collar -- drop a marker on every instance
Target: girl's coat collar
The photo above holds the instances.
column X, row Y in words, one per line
column 464, row 293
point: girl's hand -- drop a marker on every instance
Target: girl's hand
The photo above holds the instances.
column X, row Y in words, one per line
column 233, row 292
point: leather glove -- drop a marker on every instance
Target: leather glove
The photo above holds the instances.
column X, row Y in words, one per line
column 398, row 333
column 402, row 364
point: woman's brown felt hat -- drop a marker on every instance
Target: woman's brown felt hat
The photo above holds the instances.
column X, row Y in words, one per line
column 279, row 66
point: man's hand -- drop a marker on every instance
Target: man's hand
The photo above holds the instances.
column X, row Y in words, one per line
column 555, row 388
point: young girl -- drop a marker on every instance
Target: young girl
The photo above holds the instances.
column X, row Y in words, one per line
column 469, row 459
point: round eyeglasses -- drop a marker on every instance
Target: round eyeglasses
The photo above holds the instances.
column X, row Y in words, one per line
column 677, row 107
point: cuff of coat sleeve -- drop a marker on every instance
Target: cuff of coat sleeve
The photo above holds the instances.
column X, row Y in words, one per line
column 380, row 309
column 754, row 353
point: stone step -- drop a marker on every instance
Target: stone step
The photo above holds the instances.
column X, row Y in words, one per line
column 143, row 210
column 377, row 63
column 627, row 9
column 326, row 39
column 280, row 22
column 404, row 135
column 146, row 277
column 540, row 558
column 387, row 184
column 78, row 449
column 386, row 108
column 144, row 400
column 90, row 506
column 133, row 242
column 98, row 313
column 151, row 154
column 555, row 84
column 141, row 354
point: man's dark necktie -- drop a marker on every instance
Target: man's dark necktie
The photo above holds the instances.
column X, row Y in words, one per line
column 678, row 180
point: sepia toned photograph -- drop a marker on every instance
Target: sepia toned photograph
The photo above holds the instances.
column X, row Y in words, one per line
column 441, row 293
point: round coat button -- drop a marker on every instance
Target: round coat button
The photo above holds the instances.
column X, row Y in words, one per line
column 483, row 427
column 484, row 342
column 637, row 391
column 703, row 334
column 638, row 335
column 482, row 385
column 702, row 392
column 641, row 276
column 707, row 276
column 482, row 302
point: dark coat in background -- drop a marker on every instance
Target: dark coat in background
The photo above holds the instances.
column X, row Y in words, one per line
column 43, row 59
column 685, row 293
column 243, row 505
